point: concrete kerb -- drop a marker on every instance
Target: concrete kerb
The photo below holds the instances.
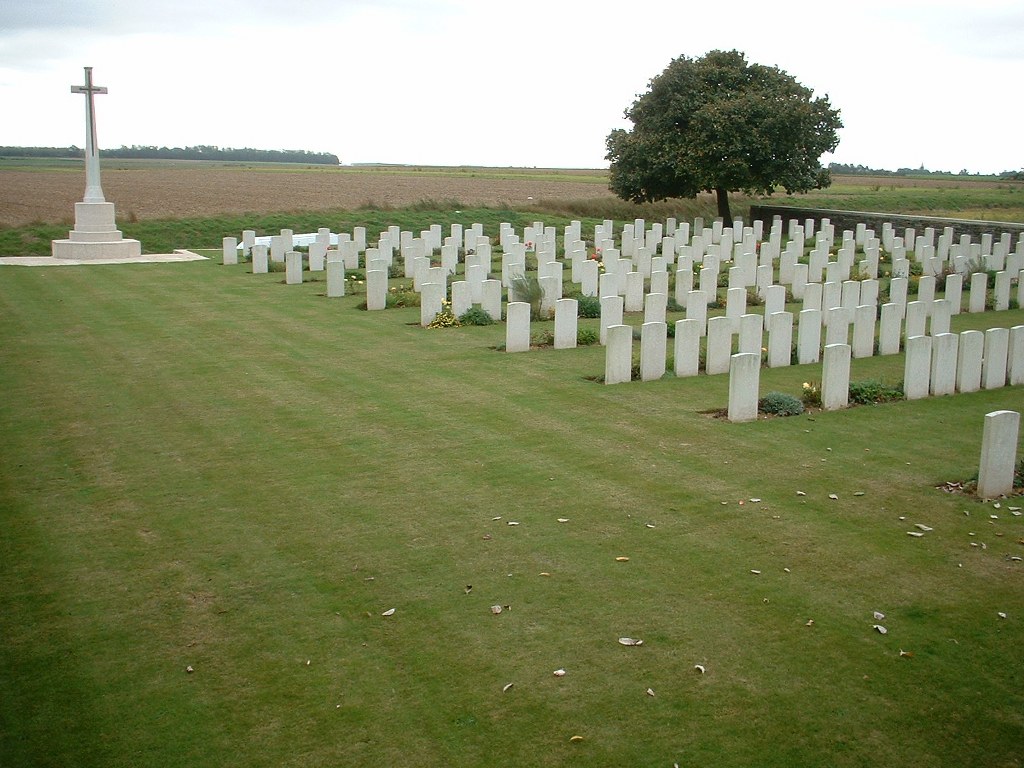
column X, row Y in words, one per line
column 147, row 258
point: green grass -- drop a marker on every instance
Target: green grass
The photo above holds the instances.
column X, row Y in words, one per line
column 204, row 467
column 965, row 201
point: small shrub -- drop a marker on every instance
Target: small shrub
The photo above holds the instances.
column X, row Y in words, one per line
column 445, row 319
column 396, row 271
column 811, row 395
column 528, row 289
column 674, row 306
column 588, row 306
column 873, row 391
column 542, row 339
column 476, row 316
column 587, row 336
column 754, row 298
column 780, row 404
column 402, row 296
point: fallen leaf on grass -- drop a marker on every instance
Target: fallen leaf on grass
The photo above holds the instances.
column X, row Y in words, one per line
column 559, row 673
column 512, row 522
column 833, row 496
column 879, row 615
column 495, row 609
column 908, row 654
column 1001, row 615
column 650, row 691
column 389, row 612
column 576, row 738
column 621, row 559
column 563, row 519
column 915, row 534
column 630, row 641
column 810, row 623
column 699, row 668
column 506, row 688
column 923, row 527
column 880, row 629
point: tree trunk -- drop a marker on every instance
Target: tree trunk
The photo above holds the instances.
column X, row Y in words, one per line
column 723, row 206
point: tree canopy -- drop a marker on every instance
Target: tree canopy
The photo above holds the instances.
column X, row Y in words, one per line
column 718, row 124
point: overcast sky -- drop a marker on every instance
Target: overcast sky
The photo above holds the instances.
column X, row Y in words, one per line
column 483, row 82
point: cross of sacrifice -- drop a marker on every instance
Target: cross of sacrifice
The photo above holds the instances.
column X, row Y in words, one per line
column 93, row 191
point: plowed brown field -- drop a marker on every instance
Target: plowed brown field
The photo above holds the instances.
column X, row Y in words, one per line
column 49, row 196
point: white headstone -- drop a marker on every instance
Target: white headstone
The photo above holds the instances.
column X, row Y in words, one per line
column 517, row 326
column 993, row 368
column 864, row 331
column 566, row 319
column 230, row 251
column 744, row 376
column 653, row 346
column 808, row 345
column 943, row 372
column 890, row 329
column 719, row 345
column 917, row 367
column 998, row 454
column 618, row 365
column 687, row 347
column 979, row 289
column 293, row 268
column 611, row 314
column 260, row 259
column 835, row 377
column 335, row 276
column 780, row 339
column 431, row 298
column 376, row 289
column 1015, row 356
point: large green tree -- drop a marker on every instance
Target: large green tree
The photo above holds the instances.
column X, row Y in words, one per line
column 718, row 124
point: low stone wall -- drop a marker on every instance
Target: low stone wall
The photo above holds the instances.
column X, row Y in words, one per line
column 850, row 219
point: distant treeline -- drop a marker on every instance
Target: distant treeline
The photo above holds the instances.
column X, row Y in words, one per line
column 201, row 152
column 847, row 169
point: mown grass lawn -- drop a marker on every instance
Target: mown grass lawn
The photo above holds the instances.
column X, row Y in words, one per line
column 207, row 469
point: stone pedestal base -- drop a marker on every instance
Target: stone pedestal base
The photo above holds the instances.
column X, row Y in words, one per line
column 95, row 236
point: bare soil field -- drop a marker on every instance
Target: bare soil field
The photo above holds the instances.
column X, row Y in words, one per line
column 166, row 193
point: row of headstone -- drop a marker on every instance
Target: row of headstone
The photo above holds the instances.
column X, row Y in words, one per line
column 965, row 362
column 843, row 304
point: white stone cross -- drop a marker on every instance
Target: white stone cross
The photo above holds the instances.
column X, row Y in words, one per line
column 93, row 191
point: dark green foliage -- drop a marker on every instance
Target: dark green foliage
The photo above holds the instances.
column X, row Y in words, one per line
column 476, row 316
column 402, row 296
column 718, row 124
column 674, row 306
column 523, row 288
column 588, row 306
column 587, row 336
column 780, row 404
column 871, row 392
